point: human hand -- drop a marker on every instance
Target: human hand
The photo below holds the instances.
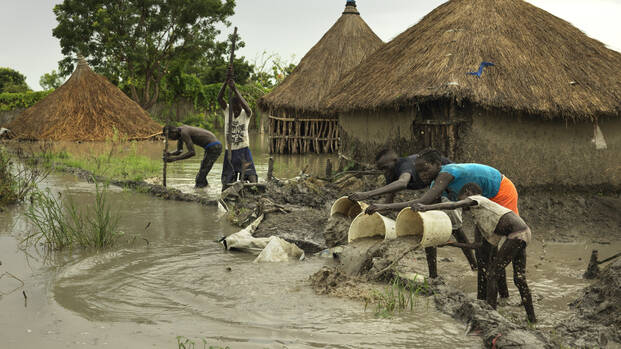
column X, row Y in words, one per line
column 373, row 208
column 167, row 157
column 358, row 196
column 231, row 83
column 419, row 207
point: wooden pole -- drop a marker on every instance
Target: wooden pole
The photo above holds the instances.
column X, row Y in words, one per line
column 165, row 152
column 270, row 169
column 229, row 136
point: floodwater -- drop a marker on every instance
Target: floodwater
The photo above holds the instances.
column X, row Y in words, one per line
column 168, row 277
column 181, row 174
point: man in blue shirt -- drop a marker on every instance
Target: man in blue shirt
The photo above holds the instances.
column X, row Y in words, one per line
column 400, row 174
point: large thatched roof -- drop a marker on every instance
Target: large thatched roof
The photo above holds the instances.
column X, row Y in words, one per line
column 86, row 107
column 343, row 47
column 543, row 64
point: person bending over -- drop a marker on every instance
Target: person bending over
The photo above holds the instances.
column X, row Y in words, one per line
column 448, row 180
column 190, row 136
column 400, row 174
column 494, row 222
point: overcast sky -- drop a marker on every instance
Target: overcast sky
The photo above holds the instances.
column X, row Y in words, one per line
column 285, row 27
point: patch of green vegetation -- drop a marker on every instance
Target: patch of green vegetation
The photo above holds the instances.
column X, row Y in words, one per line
column 114, row 164
column 19, row 176
column 400, row 295
column 60, row 223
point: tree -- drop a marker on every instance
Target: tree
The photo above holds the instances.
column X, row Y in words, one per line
column 50, row 80
column 12, row 81
column 271, row 69
column 134, row 42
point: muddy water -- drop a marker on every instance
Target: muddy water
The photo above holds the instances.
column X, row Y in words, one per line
column 181, row 174
column 554, row 275
column 140, row 295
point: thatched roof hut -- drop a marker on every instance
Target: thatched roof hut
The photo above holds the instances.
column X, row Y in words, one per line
column 542, row 64
column 300, row 95
column 87, row 107
column 546, row 112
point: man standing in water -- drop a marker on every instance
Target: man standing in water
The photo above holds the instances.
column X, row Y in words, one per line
column 400, row 175
column 190, row 136
column 241, row 158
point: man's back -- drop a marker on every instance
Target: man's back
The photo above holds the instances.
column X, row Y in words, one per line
column 199, row 136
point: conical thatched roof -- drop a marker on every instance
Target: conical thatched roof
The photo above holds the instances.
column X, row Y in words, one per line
column 543, row 65
column 85, row 107
column 343, row 47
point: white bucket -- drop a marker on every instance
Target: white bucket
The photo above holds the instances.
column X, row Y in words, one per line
column 432, row 228
column 365, row 225
column 347, row 207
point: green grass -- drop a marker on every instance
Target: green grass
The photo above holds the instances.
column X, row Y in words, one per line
column 60, row 223
column 19, row 176
column 114, row 164
column 400, row 295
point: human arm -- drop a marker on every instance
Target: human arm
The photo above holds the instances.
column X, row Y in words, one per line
column 244, row 104
column 473, row 245
column 444, row 205
column 441, row 183
column 221, row 99
column 395, row 186
column 185, row 138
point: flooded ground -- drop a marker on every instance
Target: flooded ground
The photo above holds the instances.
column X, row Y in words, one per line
column 140, row 295
column 172, row 279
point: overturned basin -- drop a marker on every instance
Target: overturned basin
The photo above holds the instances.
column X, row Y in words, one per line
column 432, row 228
column 365, row 225
column 347, row 207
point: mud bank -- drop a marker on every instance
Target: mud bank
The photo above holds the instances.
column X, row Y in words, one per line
column 597, row 318
column 158, row 191
column 365, row 263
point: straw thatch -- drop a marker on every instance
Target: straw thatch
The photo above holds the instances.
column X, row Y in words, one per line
column 85, row 108
column 343, row 47
column 543, row 65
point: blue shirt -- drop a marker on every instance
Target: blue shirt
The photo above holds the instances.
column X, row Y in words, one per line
column 488, row 178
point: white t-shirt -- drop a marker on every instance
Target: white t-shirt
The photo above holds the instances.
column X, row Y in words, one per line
column 486, row 216
column 239, row 130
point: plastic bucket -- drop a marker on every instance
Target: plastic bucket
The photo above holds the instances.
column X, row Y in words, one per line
column 365, row 225
column 347, row 207
column 432, row 228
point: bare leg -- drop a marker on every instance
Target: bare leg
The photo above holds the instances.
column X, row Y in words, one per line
column 512, row 250
column 482, row 254
column 461, row 237
column 501, row 277
column 431, row 253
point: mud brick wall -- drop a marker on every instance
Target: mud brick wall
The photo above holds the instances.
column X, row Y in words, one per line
column 531, row 151
column 364, row 134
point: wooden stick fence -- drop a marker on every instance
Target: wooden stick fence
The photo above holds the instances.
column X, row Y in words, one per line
column 303, row 135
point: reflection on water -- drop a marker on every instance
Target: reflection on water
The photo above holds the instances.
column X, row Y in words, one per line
column 181, row 174
column 183, row 279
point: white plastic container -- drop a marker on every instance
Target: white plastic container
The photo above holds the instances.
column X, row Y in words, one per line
column 365, row 225
column 347, row 207
column 432, row 228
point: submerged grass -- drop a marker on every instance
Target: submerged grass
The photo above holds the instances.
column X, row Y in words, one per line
column 120, row 162
column 400, row 295
column 19, row 176
column 60, row 223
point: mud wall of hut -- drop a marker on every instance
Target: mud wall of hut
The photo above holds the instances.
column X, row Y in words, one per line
column 363, row 134
column 534, row 152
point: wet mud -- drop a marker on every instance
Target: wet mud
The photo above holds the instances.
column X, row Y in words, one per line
column 597, row 318
column 335, row 231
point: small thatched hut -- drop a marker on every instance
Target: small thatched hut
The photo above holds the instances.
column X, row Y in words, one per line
column 543, row 113
column 296, row 123
column 87, row 107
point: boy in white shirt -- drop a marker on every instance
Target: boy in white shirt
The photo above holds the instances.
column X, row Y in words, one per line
column 495, row 221
column 241, row 157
